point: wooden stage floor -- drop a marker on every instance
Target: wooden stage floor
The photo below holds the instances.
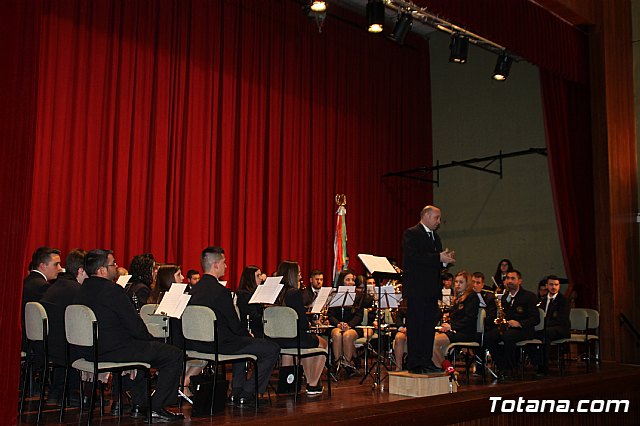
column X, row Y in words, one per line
column 352, row 403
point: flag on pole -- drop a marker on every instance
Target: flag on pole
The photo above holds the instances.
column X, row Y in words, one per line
column 340, row 239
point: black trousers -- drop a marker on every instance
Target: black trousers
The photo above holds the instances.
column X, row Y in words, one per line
column 267, row 353
column 422, row 317
column 166, row 358
column 505, row 356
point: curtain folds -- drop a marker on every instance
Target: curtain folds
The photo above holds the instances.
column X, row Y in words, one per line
column 566, row 117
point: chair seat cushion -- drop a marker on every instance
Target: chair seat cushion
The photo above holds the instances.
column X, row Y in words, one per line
column 221, row 357
column 529, row 342
column 84, row 365
column 303, row 352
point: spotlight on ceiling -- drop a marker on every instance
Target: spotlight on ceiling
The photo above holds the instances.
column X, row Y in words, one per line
column 318, row 5
column 402, row 28
column 459, row 48
column 503, row 66
column 375, row 16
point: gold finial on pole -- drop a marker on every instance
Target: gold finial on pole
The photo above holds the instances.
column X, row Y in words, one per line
column 341, row 200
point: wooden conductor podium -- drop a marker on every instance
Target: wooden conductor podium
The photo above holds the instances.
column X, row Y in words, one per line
column 405, row 383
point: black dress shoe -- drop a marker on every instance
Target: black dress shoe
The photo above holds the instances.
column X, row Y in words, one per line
column 138, row 411
column 245, row 399
column 162, row 415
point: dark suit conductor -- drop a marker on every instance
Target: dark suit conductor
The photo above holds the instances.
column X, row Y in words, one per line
column 423, row 259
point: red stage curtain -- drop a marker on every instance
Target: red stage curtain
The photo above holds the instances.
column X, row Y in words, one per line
column 566, row 114
column 19, row 28
column 168, row 126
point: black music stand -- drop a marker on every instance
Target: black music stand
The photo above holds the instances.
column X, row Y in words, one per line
column 380, row 269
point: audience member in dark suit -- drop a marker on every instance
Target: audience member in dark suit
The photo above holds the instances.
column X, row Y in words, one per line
column 423, row 259
column 60, row 295
column 316, row 280
column 232, row 334
column 522, row 316
column 250, row 279
column 557, row 324
column 463, row 318
column 291, row 296
column 44, row 267
column 143, row 271
column 123, row 336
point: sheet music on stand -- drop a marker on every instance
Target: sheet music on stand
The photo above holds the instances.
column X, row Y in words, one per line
column 345, row 296
column 376, row 264
column 446, row 296
column 389, row 298
column 174, row 301
column 123, row 280
column 268, row 292
column 321, row 300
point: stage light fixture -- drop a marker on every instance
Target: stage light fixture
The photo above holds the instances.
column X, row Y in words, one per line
column 402, row 28
column 503, row 66
column 318, row 5
column 459, row 48
column 375, row 16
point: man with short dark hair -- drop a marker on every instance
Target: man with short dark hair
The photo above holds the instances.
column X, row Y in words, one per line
column 316, row 280
column 522, row 316
column 123, row 336
column 232, row 334
column 60, row 295
column 44, row 267
column 193, row 277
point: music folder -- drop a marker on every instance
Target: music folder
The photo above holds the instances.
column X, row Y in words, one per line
column 174, row 301
column 321, row 300
column 268, row 292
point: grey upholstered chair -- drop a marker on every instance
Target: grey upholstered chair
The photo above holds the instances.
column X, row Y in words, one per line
column 281, row 322
column 582, row 321
column 199, row 324
column 36, row 325
column 475, row 345
column 81, row 329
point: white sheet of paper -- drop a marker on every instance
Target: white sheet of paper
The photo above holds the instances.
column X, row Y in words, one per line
column 172, row 304
column 123, row 280
column 388, row 297
column 376, row 263
column 321, row 300
column 345, row 296
column 446, row 296
column 268, row 292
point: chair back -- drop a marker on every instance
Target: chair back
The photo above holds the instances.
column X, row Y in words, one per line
column 158, row 325
column 280, row 322
column 36, row 322
column 482, row 315
column 594, row 318
column 78, row 325
column 578, row 318
column 198, row 323
column 540, row 325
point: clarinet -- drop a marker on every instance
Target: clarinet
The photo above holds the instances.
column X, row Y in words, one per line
column 249, row 325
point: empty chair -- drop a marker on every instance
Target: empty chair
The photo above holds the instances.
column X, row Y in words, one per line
column 579, row 323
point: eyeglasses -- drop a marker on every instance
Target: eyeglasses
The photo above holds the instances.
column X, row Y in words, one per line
column 114, row 264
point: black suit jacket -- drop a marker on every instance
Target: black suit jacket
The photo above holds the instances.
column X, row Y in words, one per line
column 35, row 285
column 308, row 296
column 464, row 317
column 421, row 264
column 491, row 309
column 522, row 309
column 558, row 314
column 232, row 334
column 59, row 295
column 254, row 311
column 120, row 328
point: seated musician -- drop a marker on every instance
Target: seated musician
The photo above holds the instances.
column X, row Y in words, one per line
column 291, row 296
column 345, row 320
column 250, row 314
column 309, row 294
column 400, row 340
column 521, row 315
column 463, row 318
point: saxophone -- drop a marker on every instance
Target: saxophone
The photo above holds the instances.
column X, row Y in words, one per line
column 500, row 320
